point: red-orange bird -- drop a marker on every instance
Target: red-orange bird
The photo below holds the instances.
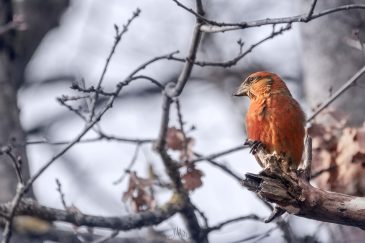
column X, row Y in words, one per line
column 274, row 117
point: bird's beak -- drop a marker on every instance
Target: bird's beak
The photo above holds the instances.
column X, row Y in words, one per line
column 242, row 90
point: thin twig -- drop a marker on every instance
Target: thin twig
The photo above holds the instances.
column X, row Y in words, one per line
column 256, row 236
column 311, row 10
column 320, row 172
column 341, row 90
column 181, row 123
column 62, row 195
column 90, row 140
column 234, row 220
column 236, row 59
column 129, row 167
column 220, row 154
column 16, row 162
column 202, row 215
column 221, row 166
column 9, row 220
column 117, row 39
column 107, row 237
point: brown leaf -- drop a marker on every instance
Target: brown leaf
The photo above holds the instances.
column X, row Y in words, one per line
column 192, row 179
column 140, row 199
column 187, row 154
column 350, row 179
column 174, row 139
column 347, row 146
column 132, row 185
column 143, row 201
column 323, row 137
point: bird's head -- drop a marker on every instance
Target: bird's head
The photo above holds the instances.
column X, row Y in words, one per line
column 261, row 83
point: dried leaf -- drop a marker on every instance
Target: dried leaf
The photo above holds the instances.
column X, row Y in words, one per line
column 192, row 179
column 174, row 139
column 143, row 201
column 187, row 154
column 132, row 185
column 347, row 146
column 343, row 148
column 140, row 199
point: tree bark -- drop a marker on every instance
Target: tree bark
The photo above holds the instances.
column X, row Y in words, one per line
column 16, row 49
column 296, row 196
column 10, row 127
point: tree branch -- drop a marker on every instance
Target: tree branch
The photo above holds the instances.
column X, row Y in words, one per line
column 213, row 27
column 241, row 55
column 134, row 221
column 295, row 195
column 340, row 91
column 219, row 154
column 234, row 220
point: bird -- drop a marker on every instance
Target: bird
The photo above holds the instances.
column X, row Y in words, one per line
column 274, row 119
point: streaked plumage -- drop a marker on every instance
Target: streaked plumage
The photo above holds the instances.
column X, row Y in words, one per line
column 274, row 117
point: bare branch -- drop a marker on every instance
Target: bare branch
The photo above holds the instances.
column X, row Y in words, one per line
column 92, row 140
column 236, row 59
column 220, row 154
column 219, row 165
column 62, row 195
column 213, row 27
column 320, row 172
column 298, row 197
column 16, row 162
column 124, row 223
column 107, row 238
column 118, row 37
column 234, row 220
column 340, row 91
column 311, row 10
column 129, row 167
column 258, row 236
column 197, row 15
column 181, row 122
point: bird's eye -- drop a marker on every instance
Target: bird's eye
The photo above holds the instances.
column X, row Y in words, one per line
column 250, row 79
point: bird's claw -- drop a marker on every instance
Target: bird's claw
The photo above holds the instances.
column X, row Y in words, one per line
column 255, row 145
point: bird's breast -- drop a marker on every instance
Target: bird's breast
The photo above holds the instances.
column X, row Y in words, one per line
column 278, row 122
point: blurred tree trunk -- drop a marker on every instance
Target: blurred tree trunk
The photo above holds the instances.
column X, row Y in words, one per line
column 10, row 128
column 16, row 49
column 331, row 55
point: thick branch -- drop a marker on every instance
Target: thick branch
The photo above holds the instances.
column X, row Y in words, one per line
column 297, row 196
column 133, row 221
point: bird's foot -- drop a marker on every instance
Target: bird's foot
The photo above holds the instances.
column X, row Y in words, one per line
column 255, row 145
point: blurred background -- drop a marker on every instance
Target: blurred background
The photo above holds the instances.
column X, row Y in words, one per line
column 67, row 41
